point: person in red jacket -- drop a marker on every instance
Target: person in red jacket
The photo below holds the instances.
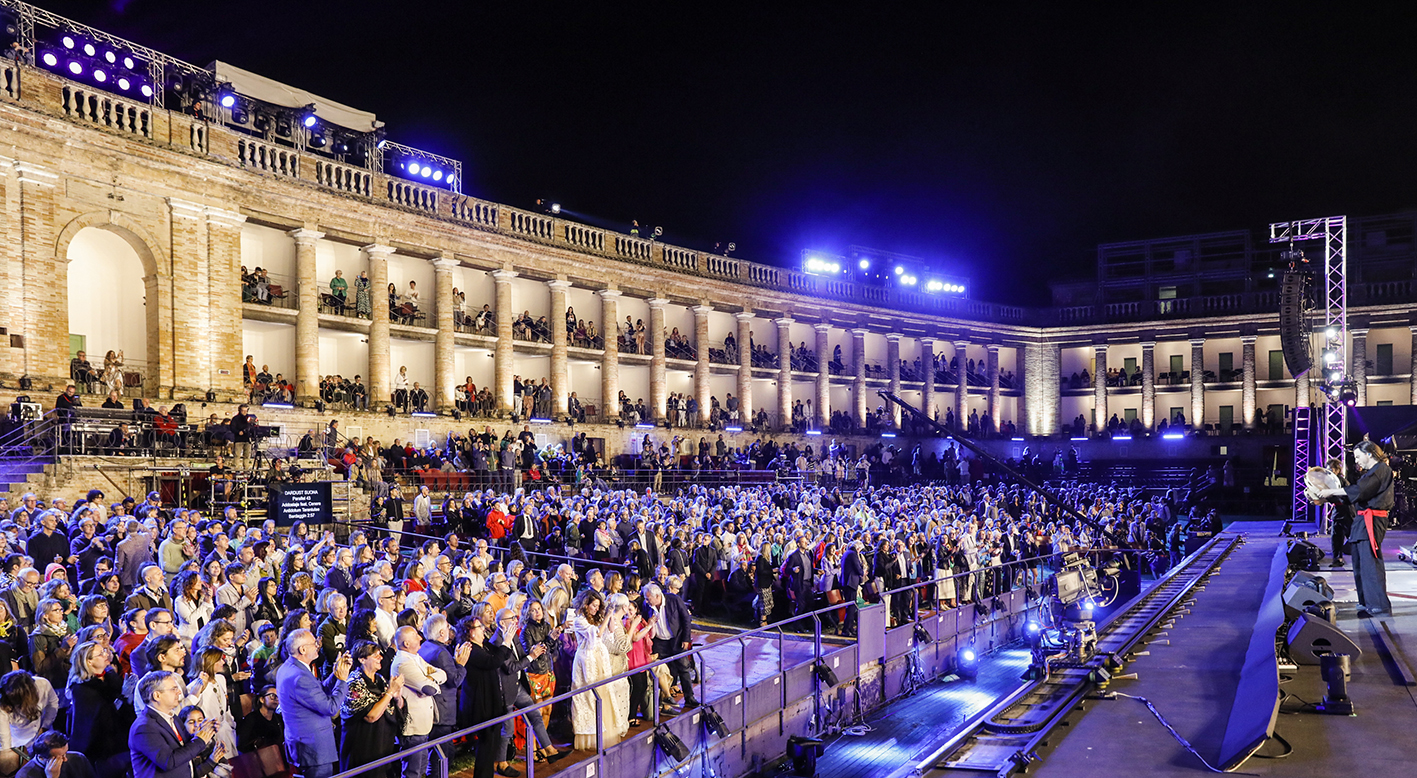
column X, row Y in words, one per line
column 498, row 522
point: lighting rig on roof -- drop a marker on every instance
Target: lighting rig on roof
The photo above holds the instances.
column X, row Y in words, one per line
column 107, row 63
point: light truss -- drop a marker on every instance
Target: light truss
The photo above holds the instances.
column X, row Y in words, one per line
column 1333, row 430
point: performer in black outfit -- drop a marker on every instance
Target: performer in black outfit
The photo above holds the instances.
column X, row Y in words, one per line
column 1372, row 500
column 1342, row 517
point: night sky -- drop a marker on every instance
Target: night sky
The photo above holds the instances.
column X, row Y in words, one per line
column 1002, row 142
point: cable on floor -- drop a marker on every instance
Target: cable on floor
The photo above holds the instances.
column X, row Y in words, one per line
column 1176, row 734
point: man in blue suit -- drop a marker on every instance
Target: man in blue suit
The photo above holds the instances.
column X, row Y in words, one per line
column 672, row 636
column 308, row 705
column 156, row 740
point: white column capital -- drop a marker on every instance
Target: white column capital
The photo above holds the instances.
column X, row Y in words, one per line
column 305, row 237
column 993, row 348
column 504, row 276
column 702, row 310
column 860, row 332
column 609, row 294
column 1100, row 348
column 558, row 284
column 1359, row 333
column 184, row 209
column 657, row 303
column 378, row 250
column 893, row 337
column 785, row 321
column 1148, row 345
column 220, row 217
column 445, row 264
column 826, row 327
column 1197, row 342
column 34, row 175
column 961, row 344
column 744, row 316
column 927, row 342
column 1248, row 340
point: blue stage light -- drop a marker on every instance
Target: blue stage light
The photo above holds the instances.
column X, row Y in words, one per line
column 68, row 41
column 147, row 90
column 228, row 100
column 129, row 63
column 864, row 264
column 76, row 68
column 49, row 59
column 124, row 83
column 100, row 76
column 110, row 58
column 89, row 49
column 310, row 120
column 437, row 175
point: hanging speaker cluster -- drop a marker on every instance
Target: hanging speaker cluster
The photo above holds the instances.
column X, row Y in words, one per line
column 1293, row 322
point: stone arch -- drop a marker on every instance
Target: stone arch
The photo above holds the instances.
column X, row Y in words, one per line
column 157, row 284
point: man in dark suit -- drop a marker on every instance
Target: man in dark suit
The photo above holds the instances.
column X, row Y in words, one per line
column 158, row 744
column 853, row 573
column 50, row 748
column 702, row 567
column 308, row 705
column 798, row 575
column 672, row 635
column 648, row 542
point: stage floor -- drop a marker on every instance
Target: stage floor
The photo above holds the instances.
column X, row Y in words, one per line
column 1192, row 683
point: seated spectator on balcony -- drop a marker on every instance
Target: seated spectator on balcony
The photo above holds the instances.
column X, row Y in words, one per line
column 339, row 290
column 112, row 402
column 541, row 330
column 281, row 390
column 165, row 428
column 522, row 326
column 575, row 409
column 484, row 322
column 358, row 394
column 81, row 371
column 419, row 398
column 121, row 440
column 66, row 402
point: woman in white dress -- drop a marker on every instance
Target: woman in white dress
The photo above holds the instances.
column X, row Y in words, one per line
column 944, row 571
column 591, row 665
column 618, row 643
column 208, row 685
column 113, row 372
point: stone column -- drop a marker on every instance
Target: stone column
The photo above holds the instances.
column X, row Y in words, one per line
column 378, row 325
column 1248, row 394
column 1099, row 388
column 1358, row 362
column 858, row 350
column 1148, row 385
column 996, row 406
column 224, row 277
column 823, row 410
column 745, row 366
column 784, row 373
column 1412, row 367
column 658, row 384
column 610, row 357
column 444, row 379
column 1197, row 417
column 893, row 356
column 505, row 346
column 961, row 384
column 43, row 281
column 192, row 330
column 1021, row 379
column 702, row 390
column 927, row 366
column 307, row 318
column 1042, row 393
column 560, row 367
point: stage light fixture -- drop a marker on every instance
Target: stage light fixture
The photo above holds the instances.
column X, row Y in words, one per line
column 1331, row 333
column 426, row 171
column 864, row 264
column 804, row 753
column 89, row 49
column 317, row 140
column 437, row 175
column 68, row 41
column 1348, row 395
column 227, row 100
column 1334, row 376
column 309, row 120
column 899, row 270
column 555, row 207
column 124, row 83
column 714, row 722
column 110, row 58
column 49, row 59
column 967, row 663
column 75, row 67
column 100, row 76
column 147, row 90
column 129, row 63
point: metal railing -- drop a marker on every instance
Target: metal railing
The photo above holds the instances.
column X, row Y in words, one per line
column 777, row 631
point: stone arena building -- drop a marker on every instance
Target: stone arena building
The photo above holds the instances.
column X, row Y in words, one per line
column 127, row 225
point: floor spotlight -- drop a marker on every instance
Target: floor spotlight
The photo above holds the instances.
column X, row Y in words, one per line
column 804, row 753
column 967, row 663
column 1335, row 670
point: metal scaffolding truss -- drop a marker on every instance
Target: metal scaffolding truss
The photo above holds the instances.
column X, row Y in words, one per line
column 1333, row 431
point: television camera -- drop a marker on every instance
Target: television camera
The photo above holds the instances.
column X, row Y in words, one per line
column 1067, row 635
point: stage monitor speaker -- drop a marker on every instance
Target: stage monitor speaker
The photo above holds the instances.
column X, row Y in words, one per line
column 1293, row 324
column 1297, row 597
column 1304, row 555
column 1310, row 638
